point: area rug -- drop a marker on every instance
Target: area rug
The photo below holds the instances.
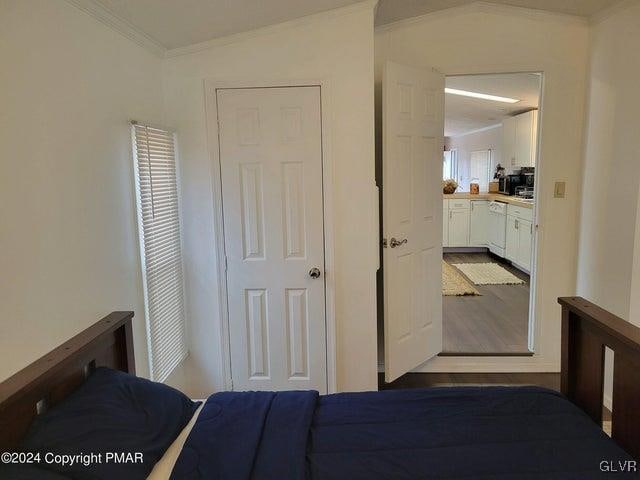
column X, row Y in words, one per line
column 454, row 284
column 488, row 274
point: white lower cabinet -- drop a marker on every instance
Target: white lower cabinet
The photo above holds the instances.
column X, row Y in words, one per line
column 525, row 235
column 512, row 240
column 466, row 223
column 459, row 227
column 445, row 223
column 479, row 222
column 519, row 239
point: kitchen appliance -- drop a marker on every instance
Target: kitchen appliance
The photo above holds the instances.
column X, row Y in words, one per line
column 529, row 180
column 503, row 185
column 524, row 192
column 497, row 227
column 507, row 185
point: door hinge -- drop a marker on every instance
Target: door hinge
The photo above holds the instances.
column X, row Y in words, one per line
column 226, row 264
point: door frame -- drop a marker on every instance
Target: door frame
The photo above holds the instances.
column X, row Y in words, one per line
column 211, row 86
column 538, row 361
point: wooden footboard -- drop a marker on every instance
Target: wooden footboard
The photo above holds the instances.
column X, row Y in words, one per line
column 586, row 330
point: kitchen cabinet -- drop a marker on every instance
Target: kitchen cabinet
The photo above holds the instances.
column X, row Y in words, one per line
column 519, row 236
column 526, row 135
column 478, row 223
column 481, row 223
column 519, row 140
column 512, row 240
column 525, row 236
column 509, row 142
column 458, row 227
column 445, row 223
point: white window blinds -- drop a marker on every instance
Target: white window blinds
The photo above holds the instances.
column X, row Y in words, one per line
column 160, row 246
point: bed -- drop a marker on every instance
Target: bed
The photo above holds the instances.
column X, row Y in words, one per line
column 439, row 433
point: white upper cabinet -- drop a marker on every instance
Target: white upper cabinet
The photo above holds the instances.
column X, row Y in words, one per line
column 526, row 133
column 519, row 140
column 509, row 142
column 478, row 230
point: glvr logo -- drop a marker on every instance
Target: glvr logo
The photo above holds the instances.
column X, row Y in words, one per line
column 618, row 466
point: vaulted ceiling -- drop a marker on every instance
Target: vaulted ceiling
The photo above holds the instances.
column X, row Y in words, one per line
column 174, row 24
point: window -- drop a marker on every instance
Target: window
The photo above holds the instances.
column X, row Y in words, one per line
column 160, row 247
column 450, row 165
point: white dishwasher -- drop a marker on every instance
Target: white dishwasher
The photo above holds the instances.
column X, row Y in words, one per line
column 497, row 227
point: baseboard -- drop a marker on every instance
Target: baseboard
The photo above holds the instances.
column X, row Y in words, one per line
column 486, row 354
column 465, row 249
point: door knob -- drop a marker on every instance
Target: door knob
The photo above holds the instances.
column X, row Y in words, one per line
column 393, row 243
column 314, row 272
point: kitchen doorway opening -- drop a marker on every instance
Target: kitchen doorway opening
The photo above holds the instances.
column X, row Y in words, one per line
column 489, row 213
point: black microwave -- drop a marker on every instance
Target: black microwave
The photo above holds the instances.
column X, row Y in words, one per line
column 507, row 185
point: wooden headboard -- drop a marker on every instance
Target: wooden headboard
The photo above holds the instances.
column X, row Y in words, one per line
column 586, row 330
column 107, row 343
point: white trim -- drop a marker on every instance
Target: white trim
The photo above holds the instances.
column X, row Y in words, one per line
column 538, row 362
column 120, row 25
column 477, row 130
column 487, row 7
column 270, row 29
column 211, row 107
column 487, row 365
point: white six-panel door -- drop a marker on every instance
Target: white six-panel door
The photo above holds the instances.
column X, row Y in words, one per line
column 413, row 136
column 271, row 169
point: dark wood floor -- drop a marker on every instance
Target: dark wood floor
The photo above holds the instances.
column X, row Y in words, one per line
column 494, row 322
column 421, row 380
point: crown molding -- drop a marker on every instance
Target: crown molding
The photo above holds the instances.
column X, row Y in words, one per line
column 104, row 16
column 487, row 7
column 612, row 10
column 369, row 5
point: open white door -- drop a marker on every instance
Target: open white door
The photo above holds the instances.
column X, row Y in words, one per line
column 413, row 136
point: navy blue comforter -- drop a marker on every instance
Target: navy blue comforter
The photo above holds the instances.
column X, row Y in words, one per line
column 439, row 433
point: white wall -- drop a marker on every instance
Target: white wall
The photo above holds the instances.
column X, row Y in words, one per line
column 611, row 164
column 609, row 250
column 336, row 46
column 68, row 86
column 497, row 39
column 490, row 139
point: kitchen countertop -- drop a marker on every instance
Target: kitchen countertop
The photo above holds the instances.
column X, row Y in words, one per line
column 489, row 196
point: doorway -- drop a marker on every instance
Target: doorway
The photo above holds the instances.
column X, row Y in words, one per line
column 269, row 148
column 489, row 202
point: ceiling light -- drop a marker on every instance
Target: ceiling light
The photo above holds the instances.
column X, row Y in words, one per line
column 483, row 96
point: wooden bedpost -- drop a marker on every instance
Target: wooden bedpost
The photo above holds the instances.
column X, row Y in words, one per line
column 586, row 330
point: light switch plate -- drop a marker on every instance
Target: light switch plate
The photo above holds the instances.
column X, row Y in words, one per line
column 558, row 191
